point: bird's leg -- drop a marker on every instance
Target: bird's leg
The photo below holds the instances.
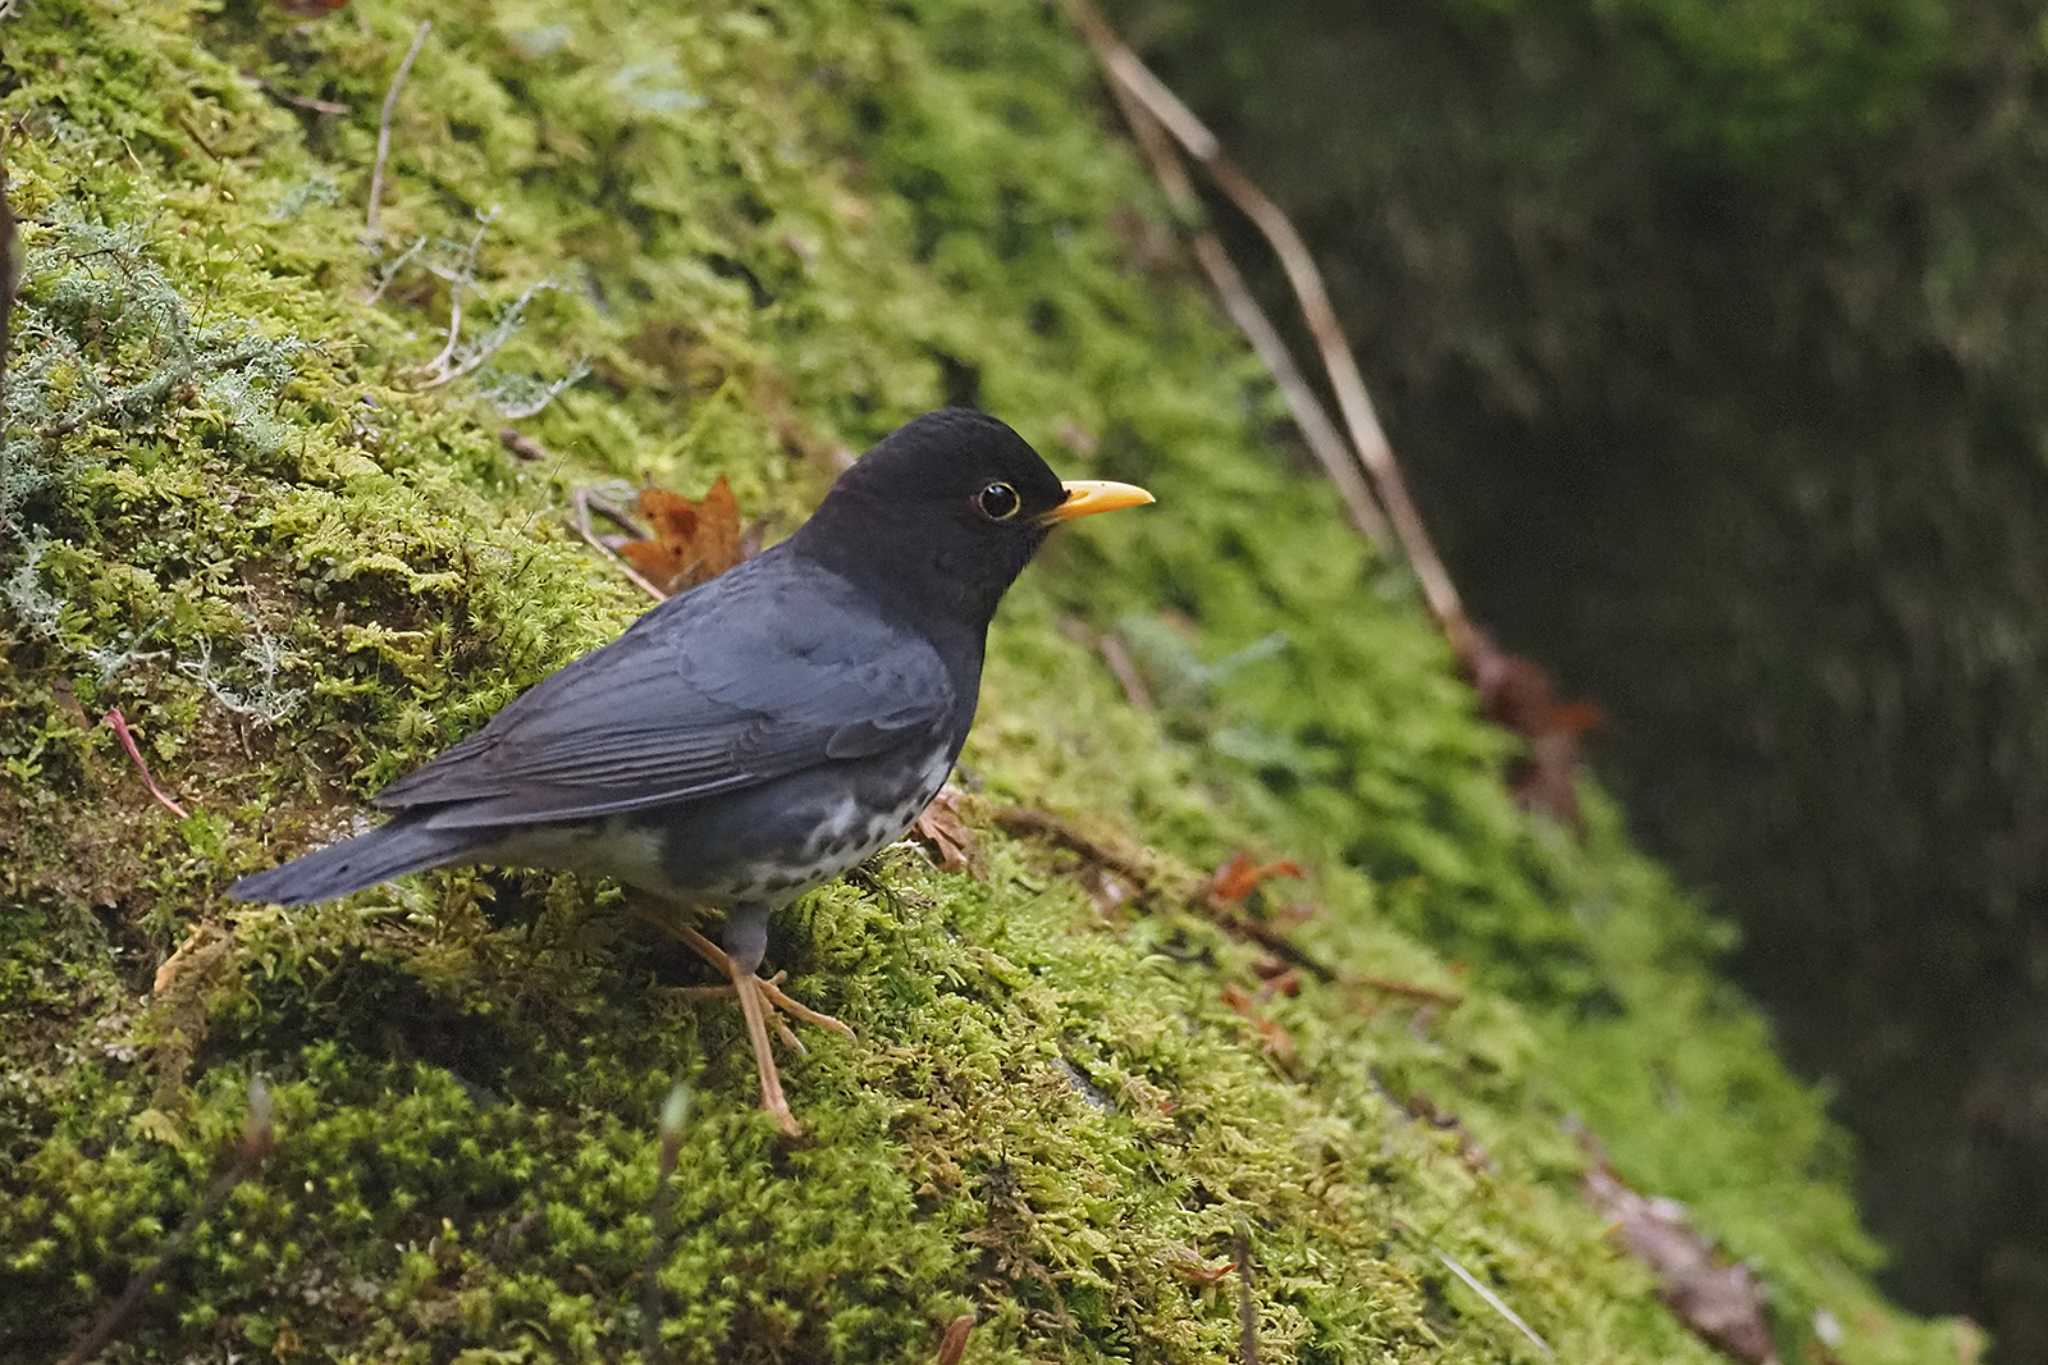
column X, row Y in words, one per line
column 746, row 942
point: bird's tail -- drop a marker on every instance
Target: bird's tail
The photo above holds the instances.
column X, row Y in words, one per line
column 404, row 845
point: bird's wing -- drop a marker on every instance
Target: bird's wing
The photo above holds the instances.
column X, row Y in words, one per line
column 750, row 678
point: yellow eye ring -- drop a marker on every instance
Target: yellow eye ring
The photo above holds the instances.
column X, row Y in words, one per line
column 998, row 501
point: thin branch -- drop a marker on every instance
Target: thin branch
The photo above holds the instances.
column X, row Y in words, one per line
column 1411, row 989
column 390, row 272
column 419, row 38
column 581, row 499
column 306, row 102
column 521, row 445
column 1125, row 670
column 1493, row 1301
column 118, row 723
column 1368, row 438
column 1023, row 820
column 1324, row 441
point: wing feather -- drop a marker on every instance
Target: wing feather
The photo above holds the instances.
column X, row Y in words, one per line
column 777, row 671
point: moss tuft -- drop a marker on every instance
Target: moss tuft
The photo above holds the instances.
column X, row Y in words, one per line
column 247, row 517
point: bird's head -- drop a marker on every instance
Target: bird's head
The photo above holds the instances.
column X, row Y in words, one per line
column 947, row 510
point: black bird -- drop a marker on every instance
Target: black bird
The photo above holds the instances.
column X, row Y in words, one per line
column 763, row 733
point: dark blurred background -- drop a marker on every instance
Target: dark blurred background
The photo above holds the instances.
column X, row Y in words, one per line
column 1713, row 337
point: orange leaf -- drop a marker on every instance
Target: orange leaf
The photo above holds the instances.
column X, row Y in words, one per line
column 692, row 541
column 1240, row 876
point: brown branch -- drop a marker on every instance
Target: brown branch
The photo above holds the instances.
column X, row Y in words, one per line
column 1369, row 440
column 1247, row 1306
column 1042, row 824
column 582, row 500
column 306, row 102
column 521, row 445
column 419, row 37
column 1321, row 434
column 1435, row 995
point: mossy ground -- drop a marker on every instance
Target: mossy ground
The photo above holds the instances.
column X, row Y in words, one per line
column 773, row 231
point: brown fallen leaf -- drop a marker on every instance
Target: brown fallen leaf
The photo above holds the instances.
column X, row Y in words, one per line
column 1518, row 694
column 954, row 1345
column 942, row 830
column 1241, row 875
column 311, row 9
column 1722, row 1301
column 690, row 541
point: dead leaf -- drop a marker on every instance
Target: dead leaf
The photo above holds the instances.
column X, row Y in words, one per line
column 690, row 542
column 1722, row 1301
column 311, row 9
column 954, row 1345
column 1519, row 694
column 1240, row 875
column 941, row 829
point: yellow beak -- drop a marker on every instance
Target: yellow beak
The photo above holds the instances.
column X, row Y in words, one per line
column 1086, row 497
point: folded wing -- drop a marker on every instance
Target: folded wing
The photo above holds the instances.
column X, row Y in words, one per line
column 771, row 673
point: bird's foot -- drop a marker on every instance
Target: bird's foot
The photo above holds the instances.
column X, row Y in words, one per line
column 761, row 1000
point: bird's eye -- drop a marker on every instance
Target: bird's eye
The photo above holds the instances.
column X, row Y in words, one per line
column 998, row 502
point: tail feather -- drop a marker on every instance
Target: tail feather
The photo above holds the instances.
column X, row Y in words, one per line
column 404, row 845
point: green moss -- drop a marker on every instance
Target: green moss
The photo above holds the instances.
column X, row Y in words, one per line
column 775, row 233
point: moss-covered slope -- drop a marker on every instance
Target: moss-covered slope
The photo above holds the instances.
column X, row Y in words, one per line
column 231, row 510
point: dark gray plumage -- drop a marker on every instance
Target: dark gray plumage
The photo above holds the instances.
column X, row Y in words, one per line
column 762, row 733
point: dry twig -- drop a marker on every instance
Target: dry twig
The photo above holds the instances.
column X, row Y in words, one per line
column 1125, row 670
column 582, row 500
column 419, row 38
column 1042, row 824
column 1493, row 1301
column 1247, row 1307
column 1368, row 439
column 118, row 723
column 1324, row 441
column 306, row 102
